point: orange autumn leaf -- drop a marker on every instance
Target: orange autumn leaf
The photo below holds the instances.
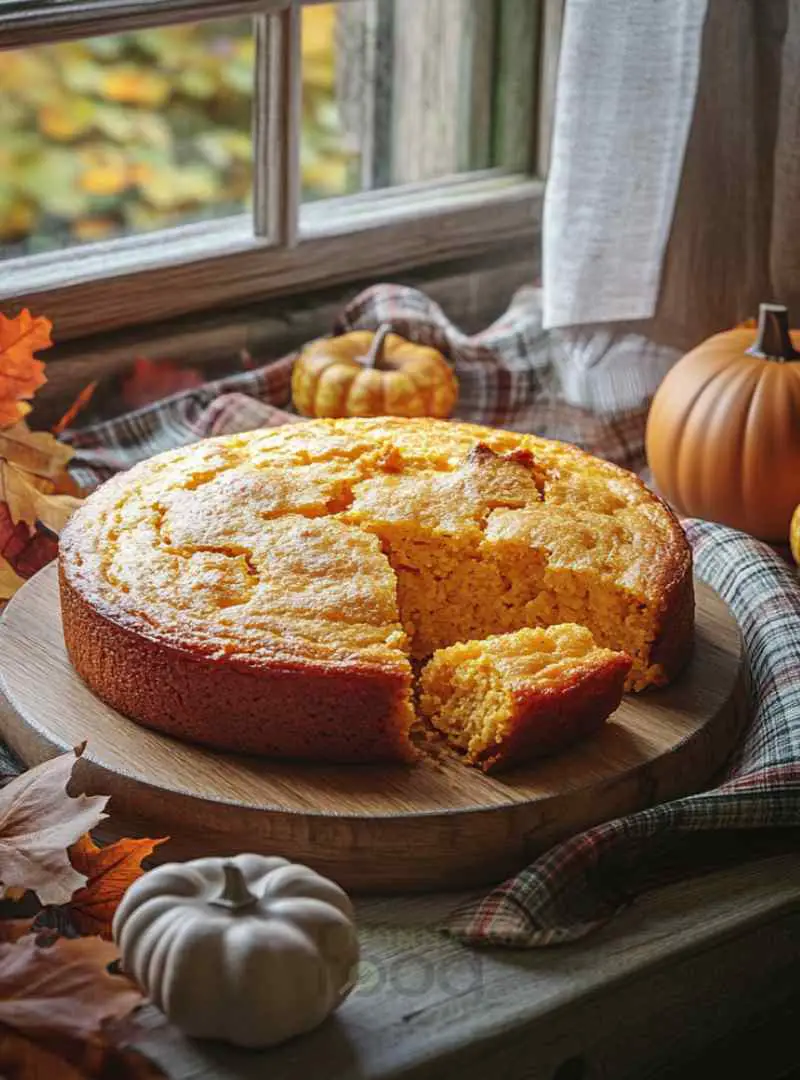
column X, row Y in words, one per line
column 36, row 452
column 80, row 403
column 110, row 872
column 66, row 1058
column 42, row 456
column 21, row 374
column 32, row 499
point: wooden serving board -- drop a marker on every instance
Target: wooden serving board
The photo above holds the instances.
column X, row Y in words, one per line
column 434, row 825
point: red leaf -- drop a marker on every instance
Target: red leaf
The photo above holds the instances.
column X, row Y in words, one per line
column 154, row 379
column 25, row 548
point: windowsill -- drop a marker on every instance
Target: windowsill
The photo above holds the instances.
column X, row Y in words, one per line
column 109, row 285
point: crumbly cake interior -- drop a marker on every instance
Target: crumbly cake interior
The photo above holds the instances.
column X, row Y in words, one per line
column 469, row 691
column 377, row 540
column 489, row 548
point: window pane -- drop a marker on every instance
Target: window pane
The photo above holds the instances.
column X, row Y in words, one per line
column 400, row 91
column 124, row 134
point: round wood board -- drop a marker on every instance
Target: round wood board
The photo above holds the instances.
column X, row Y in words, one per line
column 437, row 824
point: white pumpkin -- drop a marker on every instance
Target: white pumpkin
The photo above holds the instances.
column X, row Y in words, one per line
column 252, row 950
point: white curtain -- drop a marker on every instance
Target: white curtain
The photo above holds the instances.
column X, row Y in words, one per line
column 673, row 198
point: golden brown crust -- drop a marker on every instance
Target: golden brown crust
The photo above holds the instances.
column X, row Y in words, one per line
column 545, row 721
column 672, row 580
column 674, row 641
column 284, row 710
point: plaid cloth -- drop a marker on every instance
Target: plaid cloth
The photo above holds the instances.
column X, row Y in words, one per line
column 580, row 883
column 507, row 378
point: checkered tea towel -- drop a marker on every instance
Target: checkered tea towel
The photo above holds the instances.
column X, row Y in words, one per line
column 507, row 378
column 580, row 883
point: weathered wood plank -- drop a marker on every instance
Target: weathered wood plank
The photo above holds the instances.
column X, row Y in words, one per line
column 441, row 88
column 686, row 966
column 516, row 91
column 193, row 269
column 474, row 117
column 23, row 23
column 549, row 47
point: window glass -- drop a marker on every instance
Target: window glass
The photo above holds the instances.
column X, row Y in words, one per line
column 124, row 134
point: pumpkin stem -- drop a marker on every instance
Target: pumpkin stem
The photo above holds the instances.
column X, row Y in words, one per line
column 773, row 340
column 374, row 357
column 235, row 893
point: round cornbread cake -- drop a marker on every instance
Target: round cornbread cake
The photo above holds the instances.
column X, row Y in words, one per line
column 268, row 591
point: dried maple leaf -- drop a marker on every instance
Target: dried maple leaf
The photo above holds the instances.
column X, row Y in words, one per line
column 110, row 871
column 38, row 822
column 65, row 1058
column 36, row 452
column 31, row 499
column 37, row 496
column 10, row 581
column 21, row 374
column 64, row 987
column 80, row 403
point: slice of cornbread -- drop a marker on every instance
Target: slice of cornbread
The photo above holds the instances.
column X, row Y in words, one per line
column 516, row 696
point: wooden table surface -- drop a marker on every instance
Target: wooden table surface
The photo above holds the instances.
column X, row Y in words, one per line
column 684, row 975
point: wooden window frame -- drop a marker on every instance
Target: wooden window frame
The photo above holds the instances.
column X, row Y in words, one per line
column 282, row 247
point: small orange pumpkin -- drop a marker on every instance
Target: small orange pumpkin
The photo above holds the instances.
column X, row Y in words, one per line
column 366, row 374
column 794, row 535
column 723, row 434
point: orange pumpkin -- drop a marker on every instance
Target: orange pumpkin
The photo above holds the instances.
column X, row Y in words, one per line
column 794, row 535
column 366, row 374
column 723, row 434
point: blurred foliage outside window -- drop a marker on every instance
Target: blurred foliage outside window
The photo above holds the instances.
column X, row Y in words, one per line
column 144, row 130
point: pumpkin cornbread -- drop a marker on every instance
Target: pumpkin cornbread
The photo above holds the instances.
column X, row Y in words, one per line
column 511, row 697
column 267, row 591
